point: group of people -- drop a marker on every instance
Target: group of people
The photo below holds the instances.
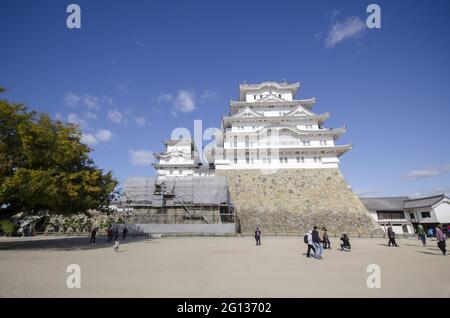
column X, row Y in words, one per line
column 438, row 232
column 112, row 236
column 317, row 241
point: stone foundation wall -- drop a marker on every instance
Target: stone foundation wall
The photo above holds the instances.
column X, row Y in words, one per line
column 294, row 200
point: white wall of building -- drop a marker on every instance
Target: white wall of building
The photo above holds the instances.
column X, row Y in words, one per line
column 442, row 211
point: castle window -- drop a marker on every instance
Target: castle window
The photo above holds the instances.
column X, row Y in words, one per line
column 279, row 95
column 254, row 97
column 298, row 159
column 235, row 155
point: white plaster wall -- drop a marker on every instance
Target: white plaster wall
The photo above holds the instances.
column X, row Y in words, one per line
column 442, row 211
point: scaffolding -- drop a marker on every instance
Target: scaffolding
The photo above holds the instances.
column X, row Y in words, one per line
column 197, row 199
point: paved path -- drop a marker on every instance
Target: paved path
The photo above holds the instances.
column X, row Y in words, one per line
column 219, row 267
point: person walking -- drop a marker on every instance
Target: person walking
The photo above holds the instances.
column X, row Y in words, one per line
column 440, row 236
column 116, row 234
column 116, row 246
column 317, row 243
column 421, row 234
column 326, row 239
column 345, row 242
column 391, row 235
column 308, row 240
column 93, row 235
column 124, row 232
column 109, row 233
column 430, row 232
column 258, row 236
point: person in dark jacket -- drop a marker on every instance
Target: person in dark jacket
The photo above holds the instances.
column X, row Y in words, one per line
column 326, row 239
column 258, row 236
column 317, row 243
column 421, row 234
column 124, row 232
column 440, row 237
column 391, row 235
column 345, row 242
column 116, row 234
column 93, row 235
column 109, row 232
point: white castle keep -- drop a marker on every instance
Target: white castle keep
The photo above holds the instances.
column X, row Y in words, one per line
column 267, row 128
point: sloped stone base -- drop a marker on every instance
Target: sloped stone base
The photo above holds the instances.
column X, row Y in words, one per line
column 294, row 200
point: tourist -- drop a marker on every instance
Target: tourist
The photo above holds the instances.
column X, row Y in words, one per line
column 116, row 245
column 317, row 243
column 345, row 242
column 116, row 234
column 325, row 239
column 421, row 234
column 308, row 240
column 391, row 235
column 258, row 236
column 124, row 232
column 109, row 233
column 440, row 236
column 93, row 235
column 430, row 232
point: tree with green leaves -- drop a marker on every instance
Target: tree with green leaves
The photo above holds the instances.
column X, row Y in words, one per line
column 44, row 167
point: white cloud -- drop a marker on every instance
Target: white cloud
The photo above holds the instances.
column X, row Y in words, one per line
column 90, row 116
column 58, row 116
column 116, row 117
column 165, row 97
column 140, row 121
column 103, row 135
column 341, row 31
column 428, row 172
column 89, row 101
column 185, row 101
column 71, row 100
column 139, row 42
column 207, row 96
column 76, row 120
column 141, row 157
column 89, row 139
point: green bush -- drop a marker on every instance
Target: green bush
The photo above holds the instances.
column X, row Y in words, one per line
column 8, row 228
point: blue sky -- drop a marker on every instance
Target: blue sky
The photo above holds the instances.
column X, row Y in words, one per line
column 138, row 69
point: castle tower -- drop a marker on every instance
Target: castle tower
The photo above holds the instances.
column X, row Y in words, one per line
column 269, row 129
column 282, row 165
column 180, row 159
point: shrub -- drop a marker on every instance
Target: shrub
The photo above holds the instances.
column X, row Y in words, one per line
column 8, row 228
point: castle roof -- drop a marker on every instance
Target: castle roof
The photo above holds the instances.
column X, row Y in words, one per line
column 243, row 88
column 424, row 201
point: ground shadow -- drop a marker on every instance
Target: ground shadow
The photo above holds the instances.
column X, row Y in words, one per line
column 79, row 243
column 429, row 253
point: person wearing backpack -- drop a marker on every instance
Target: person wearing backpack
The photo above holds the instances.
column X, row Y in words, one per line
column 308, row 241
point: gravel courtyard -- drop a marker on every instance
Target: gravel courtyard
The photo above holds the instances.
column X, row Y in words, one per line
column 219, row 267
